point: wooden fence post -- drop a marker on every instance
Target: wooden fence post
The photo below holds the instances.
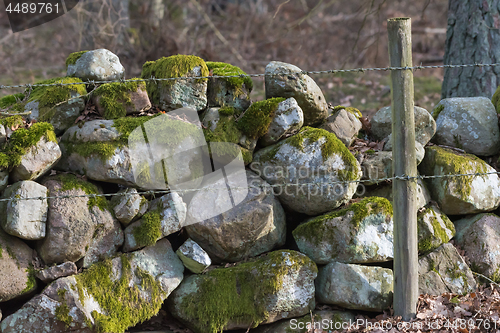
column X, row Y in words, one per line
column 403, row 164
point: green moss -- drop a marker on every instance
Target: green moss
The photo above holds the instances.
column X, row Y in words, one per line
column 223, row 69
column 1, row 252
column 23, row 139
column 149, row 231
column 316, row 228
column 437, row 110
column 10, row 100
column 70, row 182
column 226, row 111
column 239, row 293
column 31, row 283
column 73, row 57
column 370, row 152
column 116, row 96
column 123, row 305
column 350, row 109
column 62, row 310
column 430, row 241
column 495, row 276
column 173, row 66
column 456, row 273
column 12, row 121
column 257, row 118
column 452, row 162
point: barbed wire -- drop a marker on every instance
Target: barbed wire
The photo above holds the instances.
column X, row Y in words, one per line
column 297, row 184
column 331, row 71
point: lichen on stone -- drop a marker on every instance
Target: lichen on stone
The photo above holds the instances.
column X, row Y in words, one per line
column 62, row 310
column 73, row 58
column 115, row 96
column 431, row 241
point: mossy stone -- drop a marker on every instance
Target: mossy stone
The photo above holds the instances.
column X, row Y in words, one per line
column 115, row 97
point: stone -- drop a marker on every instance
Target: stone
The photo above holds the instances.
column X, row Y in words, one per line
column 276, row 286
column 479, row 236
column 98, row 65
column 25, row 219
column 253, row 226
column 128, row 205
column 4, row 179
column 37, row 160
column 323, row 319
column 175, row 94
column 165, row 216
column 193, row 256
column 58, row 105
column 287, row 120
column 16, row 268
column 118, row 294
column 419, row 149
column 425, row 125
column 434, row 228
column 356, row 287
column 78, row 224
column 306, row 170
column 460, row 195
column 228, row 92
column 376, row 166
column 360, row 233
column 49, row 274
column 118, row 99
column 344, row 123
column 286, row 80
column 444, row 271
column 468, row 123
column 3, row 134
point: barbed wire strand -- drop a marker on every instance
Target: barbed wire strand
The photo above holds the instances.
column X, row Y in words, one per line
column 331, row 71
column 297, row 184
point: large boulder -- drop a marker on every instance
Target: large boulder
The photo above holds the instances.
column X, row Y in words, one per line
column 118, row 99
column 174, row 94
column 232, row 91
column 468, row 123
column 425, row 126
column 33, row 152
column 110, row 296
column 463, row 194
column 286, row 80
column 24, row 218
column 96, row 65
column 17, row 275
column 356, row 287
column 78, row 226
column 344, row 123
column 444, row 271
column 359, row 233
column 434, row 228
column 165, row 216
column 58, row 105
column 313, row 172
column 253, row 226
column 479, row 237
column 277, row 286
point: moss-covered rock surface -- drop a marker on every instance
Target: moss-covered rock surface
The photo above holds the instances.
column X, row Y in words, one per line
column 434, row 229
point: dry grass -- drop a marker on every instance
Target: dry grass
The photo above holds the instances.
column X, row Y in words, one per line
column 314, row 35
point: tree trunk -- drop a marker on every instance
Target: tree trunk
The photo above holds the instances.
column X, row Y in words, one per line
column 473, row 36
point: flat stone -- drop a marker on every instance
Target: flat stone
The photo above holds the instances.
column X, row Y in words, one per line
column 52, row 273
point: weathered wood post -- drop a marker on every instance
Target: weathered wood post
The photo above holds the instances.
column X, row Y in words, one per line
column 403, row 164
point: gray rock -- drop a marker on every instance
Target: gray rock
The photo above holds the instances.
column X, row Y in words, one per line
column 419, row 149
column 4, row 179
column 92, row 131
column 98, row 65
column 3, row 134
column 434, row 228
column 165, row 216
column 24, row 218
column 479, row 237
column 345, row 124
column 277, row 286
column 468, row 123
column 287, row 120
column 129, row 206
column 256, row 224
column 285, row 80
column 115, row 100
column 359, row 233
column 303, row 167
column 135, row 284
column 376, row 165
column 355, row 287
column 444, row 271
column 193, row 256
column 460, row 195
column 171, row 95
column 52, row 273
column 425, row 126
column 16, row 269
column 324, row 319
column 37, row 160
